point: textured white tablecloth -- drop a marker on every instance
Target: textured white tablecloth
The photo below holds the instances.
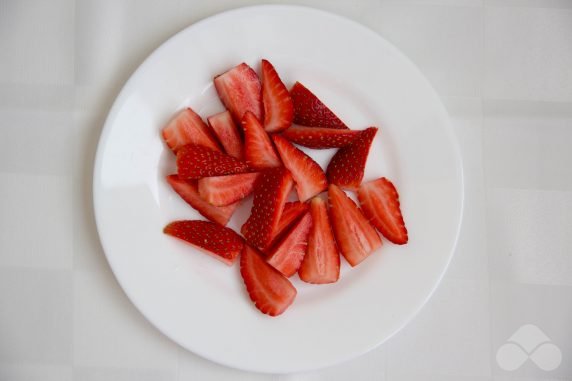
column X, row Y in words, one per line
column 502, row 67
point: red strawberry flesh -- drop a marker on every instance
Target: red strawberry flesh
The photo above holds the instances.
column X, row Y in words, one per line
column 320, row 137
column 322, row 261
column 278, row 106
column 379, row 201
column 355, row 237
column 347, row 166
column 188, row 191
column 240, row 91
column 310, row 111
column 225, row 190
column 195, row 162
column 220, row 242
column 227, row 133
column 259, row 152
column 271, row 292
column 288, row 254
column 187, row 127
column 290, row 214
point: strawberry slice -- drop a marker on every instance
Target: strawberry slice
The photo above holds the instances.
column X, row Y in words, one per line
column 379, row 201
column 309, row 177
column 188, row 191
column 348, row 164
column 227, row 133
column 195, row 162
column 291, row 212
column 218, row 241
column 239, row 90
column 225, row 190
column 310, row 111
column 270, row 291
column 187, row 127
column 288, row 254
column 278, row 107
column 356, row 238
column 320, row 137
column 322, row 261
column 258, row 148
column 270, row 193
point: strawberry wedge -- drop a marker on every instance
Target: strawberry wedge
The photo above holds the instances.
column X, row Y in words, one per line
column 259, row 152
column 309, row 177
column 288, row 254
column 187, row 127
column 195, row 162
column 271, row 292
column 278, row 106
column 347, row 166
column 218, row 241
column 240, row 91
column 270, row 193
column 356, row 238
column 379, row 201
column 310, row 111
column 291, row 212
column 188, row 191
column 320, row 137
column 227, row 133
column 226, row 190
column 322, row 261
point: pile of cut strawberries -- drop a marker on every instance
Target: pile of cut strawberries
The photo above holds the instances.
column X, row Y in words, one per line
column 248, row 149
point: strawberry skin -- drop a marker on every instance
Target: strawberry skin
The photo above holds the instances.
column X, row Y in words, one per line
column 288, row 254
column 240, row 91
column 278, row 106
column 320, row 137
column 227, row 133
column 195, row 162
column 356, row 238
column 348, row 164
column 310, row 111
column 226, row 190
column 309, row 177
column 271, row 292
column 291, row 212
column 187, row 127
column 379, row 201
column 270, row 193
column 188, row 191
column 218, row 241
column 258, row 148
column 322, row 261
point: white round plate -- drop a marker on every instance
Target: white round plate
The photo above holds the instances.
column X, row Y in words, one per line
column 202, row 304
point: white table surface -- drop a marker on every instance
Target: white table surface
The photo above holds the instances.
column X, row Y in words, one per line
column 504, row 71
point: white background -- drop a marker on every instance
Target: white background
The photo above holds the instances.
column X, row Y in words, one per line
column 504, row 71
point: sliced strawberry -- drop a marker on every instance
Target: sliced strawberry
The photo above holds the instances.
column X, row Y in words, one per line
column 227, row 133
column 379, row 201
column 270, row 291
column 195, row 162
column 218, row 241
column 188, row 191
column 187, row 127
column 288, row 254
column 270, row 193
column 278, row 107
column 356, row 238
column 290, row 214
column 239, row 90
column 348, row 164
column 310, row 111
column 322, row 261
column 309, row 177
column 225, row 190
column 258, row 148
column 320, row 137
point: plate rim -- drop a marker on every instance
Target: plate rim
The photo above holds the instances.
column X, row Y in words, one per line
column 107, row 126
